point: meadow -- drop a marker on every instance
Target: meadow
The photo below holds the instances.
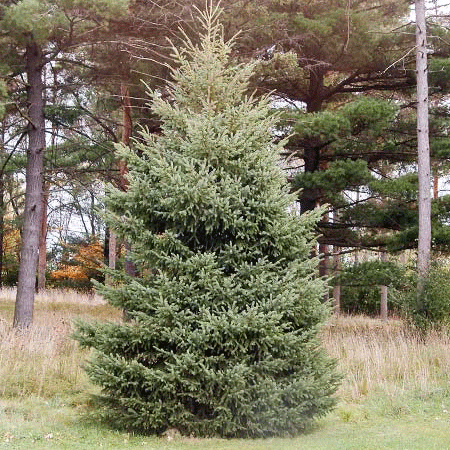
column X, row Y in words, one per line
column 395, row 392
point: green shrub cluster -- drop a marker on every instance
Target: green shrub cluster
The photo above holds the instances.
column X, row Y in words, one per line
column 360, row 286
column 431, row 308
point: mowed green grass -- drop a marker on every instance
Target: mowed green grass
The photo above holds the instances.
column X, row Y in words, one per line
column 395, row 393
column 39, row 424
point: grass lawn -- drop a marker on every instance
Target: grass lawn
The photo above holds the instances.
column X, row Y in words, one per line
column 39, row 424
column 395, row 393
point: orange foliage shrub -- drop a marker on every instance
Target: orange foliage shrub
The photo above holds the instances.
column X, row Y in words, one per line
column 80, row 262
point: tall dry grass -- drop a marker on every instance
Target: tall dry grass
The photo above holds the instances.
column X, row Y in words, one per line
column 379, row 357
column 373, row 356
column 45, row 361
column 55, row 296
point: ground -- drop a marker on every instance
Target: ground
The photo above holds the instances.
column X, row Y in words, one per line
column 395, row 392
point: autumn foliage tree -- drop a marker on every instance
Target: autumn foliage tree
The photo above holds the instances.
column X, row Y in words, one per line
column 81, row 261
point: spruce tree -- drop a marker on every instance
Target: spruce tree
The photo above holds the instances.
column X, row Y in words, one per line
column 223, row 336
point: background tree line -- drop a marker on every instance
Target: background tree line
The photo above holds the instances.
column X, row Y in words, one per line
column 344, row 73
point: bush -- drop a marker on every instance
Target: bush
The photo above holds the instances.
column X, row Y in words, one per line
column 360, row 286
column 80, row 262
column 432, row 308
column 223, row 337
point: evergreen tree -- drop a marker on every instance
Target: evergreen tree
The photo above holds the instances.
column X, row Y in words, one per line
column 352, row 150
column 223, row 337
column 321, row 52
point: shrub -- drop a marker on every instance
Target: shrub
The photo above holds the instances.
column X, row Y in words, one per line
column 360, row 286
column 80, row 262
column 432, row 308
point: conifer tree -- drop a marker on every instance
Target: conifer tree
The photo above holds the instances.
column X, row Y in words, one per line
column 223, row 337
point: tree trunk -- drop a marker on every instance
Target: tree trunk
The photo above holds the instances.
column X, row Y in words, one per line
column 127, row 129
column 324, row 263
column 123, row 169
column 112, row 250
column 92, row 215
column 337, row 284
column 42, row 262
column 2, row 224
column 423, row 147
column 2, row 204
column 23, row 314
column 337, row 299
column 130, row 267
column 309, row 198
column 336, row 271
column 106, row 247
column 436, row 184
column 384, row 291
column 311, row 157
column 111, row 254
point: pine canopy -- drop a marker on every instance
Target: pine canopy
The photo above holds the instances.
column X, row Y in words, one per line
column 225, row 315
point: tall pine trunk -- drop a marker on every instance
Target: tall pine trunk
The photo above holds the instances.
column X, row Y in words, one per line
column 2, row 224
column 130, row 267
column 42, row 262
column 2, row 202
column 384, row 290
column 436, row 183
column 336, row 272
column 423, row 147
column 23, row 314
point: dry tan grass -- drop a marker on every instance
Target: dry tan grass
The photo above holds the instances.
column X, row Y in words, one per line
column 55, row 296
column 39, row 362
column 386, row 357
column 374, row 356
column 45, row 361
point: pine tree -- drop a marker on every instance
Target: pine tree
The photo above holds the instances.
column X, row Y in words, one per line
column 224, row 332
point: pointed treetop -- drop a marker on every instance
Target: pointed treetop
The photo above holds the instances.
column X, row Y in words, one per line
column 198, row 65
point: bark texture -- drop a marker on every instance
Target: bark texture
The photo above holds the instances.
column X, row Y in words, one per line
column 42, row 262
column 2, row 224
column 423, row 146
column 384, row 291
column 23, row 314
column 336, row 272
column 130, row 267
